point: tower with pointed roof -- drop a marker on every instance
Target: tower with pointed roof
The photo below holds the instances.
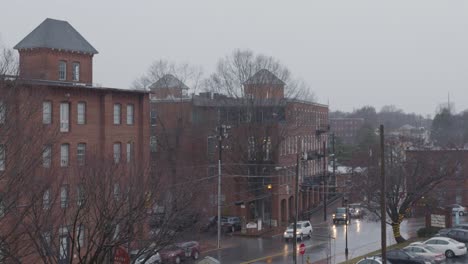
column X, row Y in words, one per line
column 264, row 85
column 55, row 51
column 167, row 87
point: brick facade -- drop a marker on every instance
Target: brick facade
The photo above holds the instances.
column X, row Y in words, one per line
column 286, row 123
column 43, row 64
column 346, row 129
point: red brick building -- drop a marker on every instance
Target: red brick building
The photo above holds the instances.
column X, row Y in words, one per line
column 346, row 129
column 267, row 131
column 70, row 125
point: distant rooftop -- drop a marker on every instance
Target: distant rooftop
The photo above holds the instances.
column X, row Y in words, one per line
column 168, row 81
column 56, row 34
column 264, row 76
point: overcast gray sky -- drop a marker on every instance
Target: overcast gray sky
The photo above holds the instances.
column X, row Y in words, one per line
column 409, row 53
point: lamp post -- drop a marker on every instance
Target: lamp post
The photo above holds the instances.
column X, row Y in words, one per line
column 270, row 189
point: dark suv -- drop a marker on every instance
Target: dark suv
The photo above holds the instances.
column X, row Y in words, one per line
column 340, row 215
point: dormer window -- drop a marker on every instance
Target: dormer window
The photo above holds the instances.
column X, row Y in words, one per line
column 76, row 71
column 62, row 70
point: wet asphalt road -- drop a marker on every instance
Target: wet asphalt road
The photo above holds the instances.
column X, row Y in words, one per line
column 327, row 242
column 363, row 237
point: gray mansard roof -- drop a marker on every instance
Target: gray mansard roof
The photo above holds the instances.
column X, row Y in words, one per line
column 264, row 76
column 56, row 34
column 168, row 81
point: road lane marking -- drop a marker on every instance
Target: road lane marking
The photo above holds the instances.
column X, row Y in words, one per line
column 279, row 254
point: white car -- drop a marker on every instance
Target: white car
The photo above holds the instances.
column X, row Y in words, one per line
column 372, row 260
column 444, row 245
column 146, row 258
column 426, row 252
column 304, row 229
column 458, row 209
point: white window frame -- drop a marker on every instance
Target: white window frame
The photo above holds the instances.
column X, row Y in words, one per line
column 47, row 243
column 81, row 113
column 81, row 154
column 2, row 112
column 47, row 112
column 80, row 236
column 47, row 156
column 76, row 71
column 267, row 148
column 62, row 71
column 2, row 157
column 64, row 155
column 64, row 196
column 64, row 117
column 117, row 150
column 63, row 244
column 80, row 195
column 129, row 152
column 46, row 199
column 153, row 144
column 130, row 114
column 251, row 148
column 116, row 191
column 117, row 114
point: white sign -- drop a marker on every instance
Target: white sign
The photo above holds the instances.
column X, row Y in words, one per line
column 251, row 225
column 438, row 220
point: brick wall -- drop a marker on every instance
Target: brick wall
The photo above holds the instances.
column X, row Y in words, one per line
column 43, row 64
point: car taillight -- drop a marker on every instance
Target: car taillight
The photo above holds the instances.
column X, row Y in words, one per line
column 461, row 247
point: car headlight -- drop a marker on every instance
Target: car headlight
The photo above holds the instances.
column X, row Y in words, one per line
column 344, row 215
column 333, row 215
column 298, row 232
column 285, row 233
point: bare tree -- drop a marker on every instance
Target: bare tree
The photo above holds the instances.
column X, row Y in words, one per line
column 266, row 108
column 23, row 140
column 185, row 73
column 409, row 178
column 234, row 70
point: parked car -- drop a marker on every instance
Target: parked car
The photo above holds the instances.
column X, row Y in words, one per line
column 403, row 257
column 462, row 226
column 210, row 223
column 458, row 209
column 426, row 252
column 151, row 257
column 460, row 235
column 228, row 223
column 355, row 210
column 191, row 249
column 373, row 260
column 445, row 245
column 303, row 229
column 172, row 254
column 340, row 215
column 231, row 223
column 443, row 232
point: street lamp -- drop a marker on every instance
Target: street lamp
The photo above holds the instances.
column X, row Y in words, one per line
column 270, row 189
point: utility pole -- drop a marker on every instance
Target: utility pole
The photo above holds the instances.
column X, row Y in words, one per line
column 346, row 252
column 325, row 180
column 334, row 159
column 383, row 205
column 222, row 134
column 296, row 210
